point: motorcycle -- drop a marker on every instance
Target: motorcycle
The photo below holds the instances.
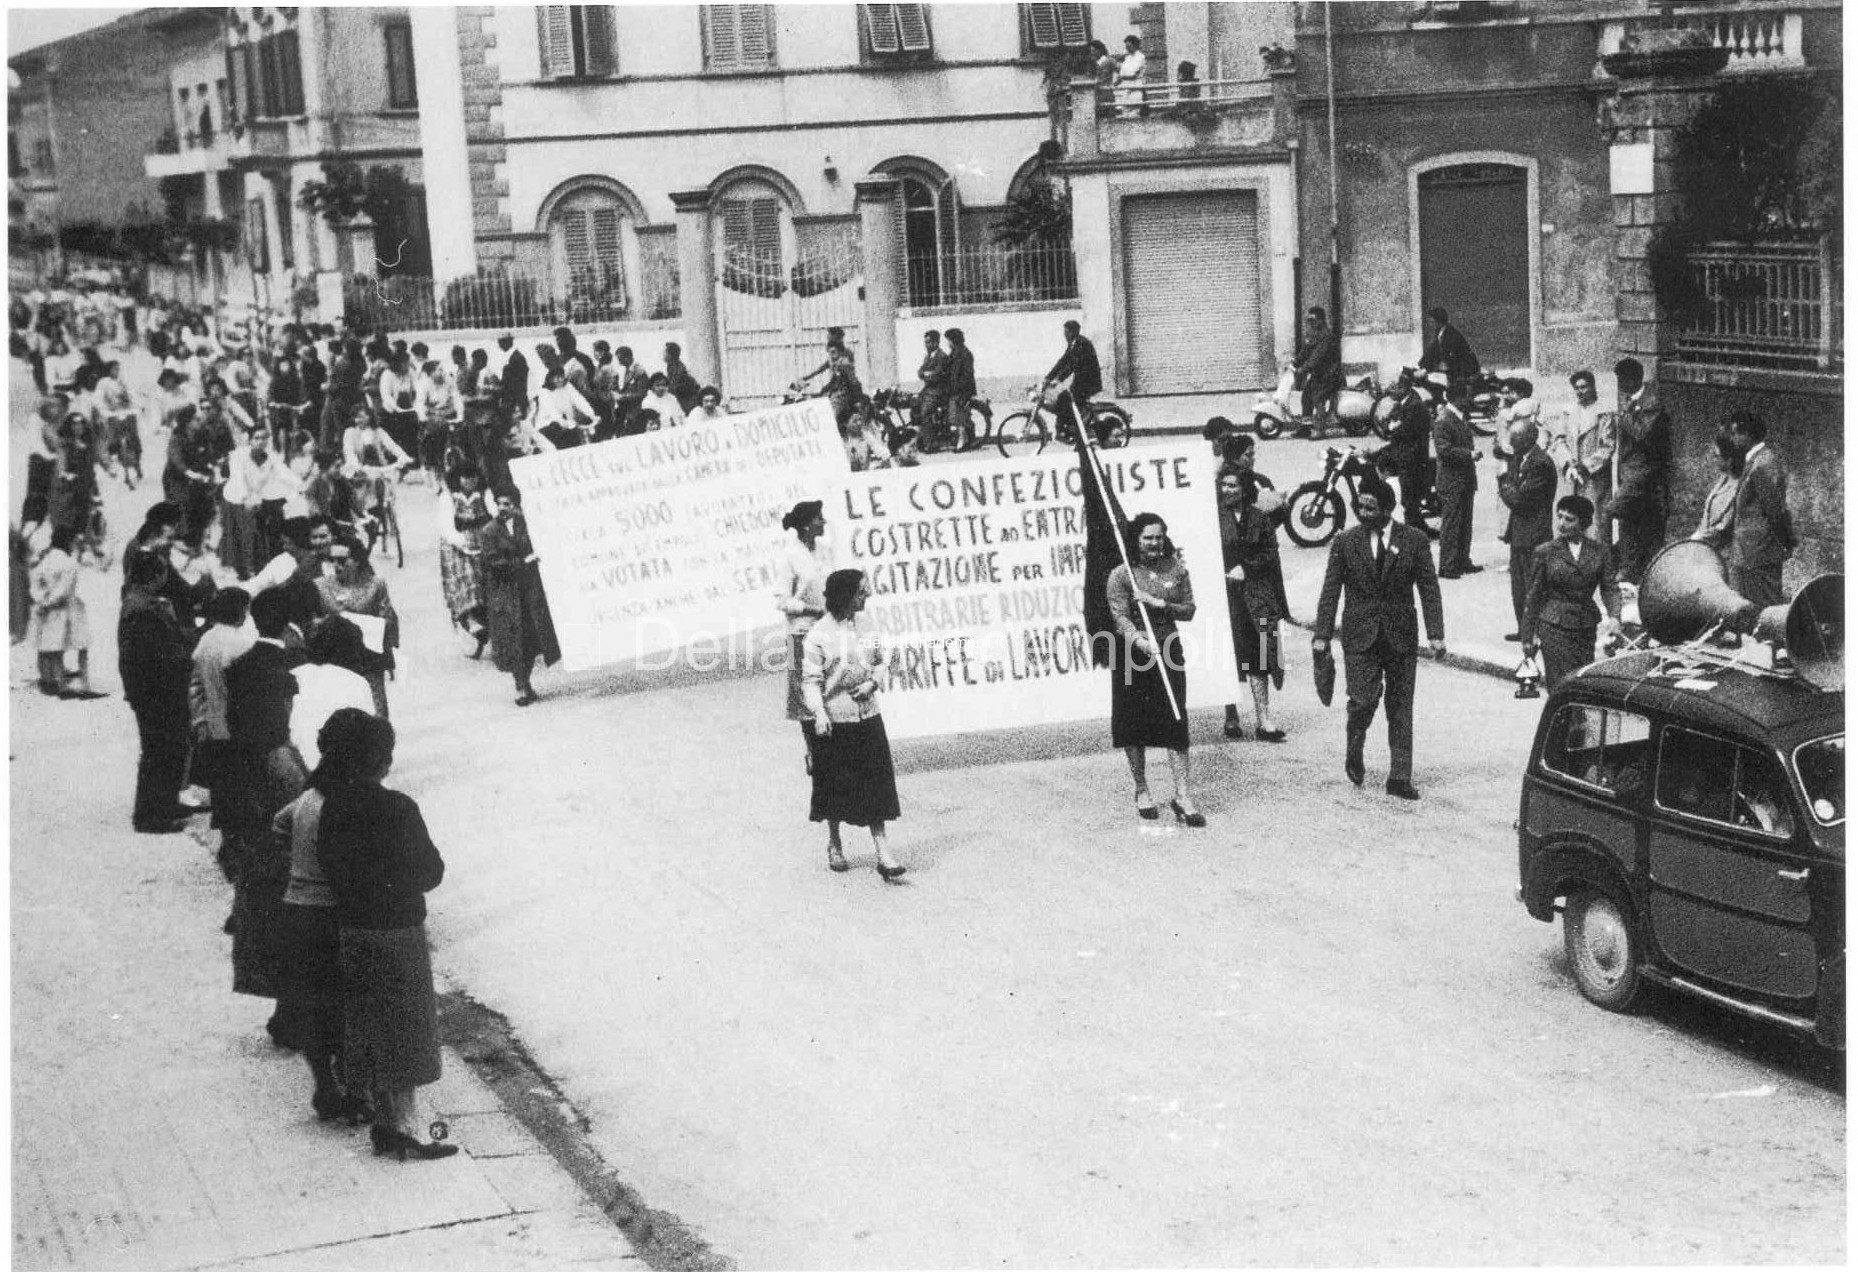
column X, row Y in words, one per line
column 1318, row 510
column 1359, row 408
column 1486, row 399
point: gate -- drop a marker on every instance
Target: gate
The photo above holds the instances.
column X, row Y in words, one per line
column 773, row 318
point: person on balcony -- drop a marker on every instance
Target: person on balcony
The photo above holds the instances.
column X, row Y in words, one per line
column 1130, row 73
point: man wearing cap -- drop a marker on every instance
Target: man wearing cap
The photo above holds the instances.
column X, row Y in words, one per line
column 1378, row 564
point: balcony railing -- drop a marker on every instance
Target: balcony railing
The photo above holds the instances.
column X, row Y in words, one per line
column 991, row 274
column 1757, row 40
column 1772, row 305
column 1180, row 97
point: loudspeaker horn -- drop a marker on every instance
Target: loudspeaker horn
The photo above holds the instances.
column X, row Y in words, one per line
column 1812, row 627
column 1686, row 591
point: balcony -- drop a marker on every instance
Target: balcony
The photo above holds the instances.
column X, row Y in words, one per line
column 258, row 139
column 1758, row 40
column 194, row 162
column 1172, row 116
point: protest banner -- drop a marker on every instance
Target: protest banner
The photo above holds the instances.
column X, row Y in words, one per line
column 977, row 570
column 650, row 543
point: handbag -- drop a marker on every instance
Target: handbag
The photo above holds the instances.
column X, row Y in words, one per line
column 1322, row 666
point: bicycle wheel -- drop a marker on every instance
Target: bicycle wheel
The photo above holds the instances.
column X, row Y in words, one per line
column 1021, row 433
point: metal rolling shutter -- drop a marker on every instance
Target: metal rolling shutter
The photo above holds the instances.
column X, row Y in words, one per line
column 1190, row 278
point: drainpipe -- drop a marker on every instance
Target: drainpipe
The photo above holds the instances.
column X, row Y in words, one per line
column 1335, row 228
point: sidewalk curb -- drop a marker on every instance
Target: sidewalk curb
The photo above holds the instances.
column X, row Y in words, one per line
column 1480, row 664
column 485, row 1041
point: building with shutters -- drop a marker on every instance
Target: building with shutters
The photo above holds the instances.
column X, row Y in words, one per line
column 735, row 172
column 1472, row 164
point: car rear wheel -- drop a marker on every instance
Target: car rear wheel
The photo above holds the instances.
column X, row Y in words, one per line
column 1603, row 948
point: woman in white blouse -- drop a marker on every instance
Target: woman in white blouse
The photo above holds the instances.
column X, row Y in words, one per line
column 842, row 671
column 562, row 415
column 802, row 598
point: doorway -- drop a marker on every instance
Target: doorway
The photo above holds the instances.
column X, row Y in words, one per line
column 1474, row 256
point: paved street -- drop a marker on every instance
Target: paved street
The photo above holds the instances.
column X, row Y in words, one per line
column 1321, row 1031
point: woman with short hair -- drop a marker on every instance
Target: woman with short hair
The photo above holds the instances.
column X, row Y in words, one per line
column 379, row 862
column 802, row 598
column 355, row 589
column 1147, row 710
column 1560, row 618
column 842, row 670
column 521, row 628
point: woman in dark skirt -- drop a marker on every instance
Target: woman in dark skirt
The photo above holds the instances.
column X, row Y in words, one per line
column 521, row 629
column 1141, row 714
column 1249, row 515
column 1560, row 618
column 380, row 863
column 853, row 780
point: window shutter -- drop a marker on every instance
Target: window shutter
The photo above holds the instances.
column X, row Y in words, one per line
column 725, row 42
column 290, row 74
column 602, row 55
column 913, row 27
column 245, row 83
column 1073, row 25
column 555, row 26
column 606, row 236
column 756, row 34
column 739, row 36
column 767, row 222
column 881, row 28
column 267, row 77
column 231, row 111
column 1043, row 21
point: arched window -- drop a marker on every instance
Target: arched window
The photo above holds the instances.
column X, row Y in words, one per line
column 755, row 238
column 589, row 231
column 928, row 231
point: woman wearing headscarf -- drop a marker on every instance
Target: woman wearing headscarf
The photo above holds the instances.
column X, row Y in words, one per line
column 379, row 862
column 463, row 514
column 355, row 589
column 1249, row 516
column 1145, row 709
column 1559, row 617
column 521, row 629
column 805, row 564
column 853, row 778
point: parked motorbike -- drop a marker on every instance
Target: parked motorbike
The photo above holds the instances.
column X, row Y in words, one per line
column 1319, row 508
column 1357, row 407
column 1486, row 399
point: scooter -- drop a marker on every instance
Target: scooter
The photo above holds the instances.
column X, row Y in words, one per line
column 1356, row 407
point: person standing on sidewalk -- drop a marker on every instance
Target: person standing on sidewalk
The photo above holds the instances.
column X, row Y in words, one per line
column 1456, row 446
column 1582, row 442
column 1377, row 565
column 1248, row 520
column 1527, row 489
column 1641, row 498
column 1319, row 370
column 961, row 389
column 802, row 598
column 932, row 398
column 154, row 660
column 1560, row 619
column 1763, row 533
column 380, row 862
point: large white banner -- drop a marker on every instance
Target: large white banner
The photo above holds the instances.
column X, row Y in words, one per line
column 651, row 543
column 977, row 572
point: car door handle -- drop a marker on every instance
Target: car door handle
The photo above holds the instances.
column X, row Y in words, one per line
column 1795, row 876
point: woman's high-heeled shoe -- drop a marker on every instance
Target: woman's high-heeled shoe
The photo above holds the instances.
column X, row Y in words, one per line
column 387, row 1140
column 891, row 873
column 1147, row 812
column 1194, row 819
column 835, row 859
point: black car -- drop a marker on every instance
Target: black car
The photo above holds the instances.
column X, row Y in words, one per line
column 1688, row 820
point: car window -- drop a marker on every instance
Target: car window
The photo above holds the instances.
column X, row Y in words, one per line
column 1722, row 782
column 1600, row 746
column 1821, row 766
column 1696, row 775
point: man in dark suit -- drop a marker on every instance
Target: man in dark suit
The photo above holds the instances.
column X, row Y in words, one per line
column 1527, row 489
column 1409, row 445
column 259, row 693
column 155, row 661
column 1641, row 492
column 1449, row 351
column 1079, row 363
column 1456, row 446
column 513, row 380
column 1319, row 369
column 1378, row 564
column 1764, row 532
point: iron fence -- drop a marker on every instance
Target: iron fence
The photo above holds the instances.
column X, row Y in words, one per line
column 991, row 273
column 513, row 297
column 1772, row 305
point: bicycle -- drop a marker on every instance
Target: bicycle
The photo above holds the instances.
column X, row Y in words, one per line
column 1027, row 433
column 380, row 519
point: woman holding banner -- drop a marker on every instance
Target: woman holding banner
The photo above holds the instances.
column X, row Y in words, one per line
column 1148, row 691
column 802, row 598
column 521, row 629
column 1249, row 515
column 853, row 779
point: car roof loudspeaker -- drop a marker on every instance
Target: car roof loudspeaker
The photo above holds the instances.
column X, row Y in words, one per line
column 1812, row 627
column 1686, row 592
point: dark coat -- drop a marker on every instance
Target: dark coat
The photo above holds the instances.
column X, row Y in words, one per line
column 1644, row 454
column 41, row 472
column 1252, row 544
column 683, row 386
column 1561, row 589
column 378, row 857
column 1080, row 363
column 1764, row 533
column 960, row 371
column 513, row 386
column 1527, row 488
column 154, row 651
column 1380, row 601
column 1321, row 362
column 1451, row 353
column 1456, row 445
column 516, row 607
column 1410, row 435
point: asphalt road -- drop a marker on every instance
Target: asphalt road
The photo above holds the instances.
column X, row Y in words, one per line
column 1320, row 1031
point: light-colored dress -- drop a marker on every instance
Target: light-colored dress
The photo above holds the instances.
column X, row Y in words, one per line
column 802, row 598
